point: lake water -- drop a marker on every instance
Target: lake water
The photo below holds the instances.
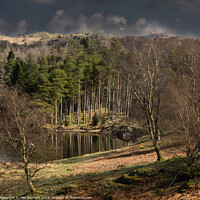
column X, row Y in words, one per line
column 66, row 145
column 77, row 144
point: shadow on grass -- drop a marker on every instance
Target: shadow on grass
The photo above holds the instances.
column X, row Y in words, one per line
column 88, row 157
column 51, row 185
column 140, row 152
column 46, row 184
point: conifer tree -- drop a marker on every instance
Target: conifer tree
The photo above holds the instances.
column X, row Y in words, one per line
column 58, row 79
column 9, row 67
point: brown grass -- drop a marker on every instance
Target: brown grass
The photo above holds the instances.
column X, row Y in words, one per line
column 95, row 185
column 20, row 40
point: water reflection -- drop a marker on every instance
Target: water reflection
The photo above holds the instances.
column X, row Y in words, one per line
column 77, row 144
column 66, row 145
column 3, row 155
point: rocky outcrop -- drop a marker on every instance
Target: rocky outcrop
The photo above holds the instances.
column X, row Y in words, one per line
column 124, row 132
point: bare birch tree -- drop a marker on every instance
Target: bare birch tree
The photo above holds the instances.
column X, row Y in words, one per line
column 146, row 77
column 188, row 103
column 21, row 128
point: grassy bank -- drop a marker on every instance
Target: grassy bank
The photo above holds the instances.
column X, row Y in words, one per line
column 126, row 173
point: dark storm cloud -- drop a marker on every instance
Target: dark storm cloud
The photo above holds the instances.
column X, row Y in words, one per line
column 106, row 1
column 43, row 1
column 79, row 22
column 2, row 5
column 135, row 17
column 19, row 29
column 184, row 5
column 5, row 26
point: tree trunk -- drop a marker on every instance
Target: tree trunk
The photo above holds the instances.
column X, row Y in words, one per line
column 84, row 108
column 124, row 99
column 158, row 151
column 113, row 101
column 31, row 187
column 90, row 108
column 102, row 96
column 127, row 98
column 94, row 101
column 99, row 99
column 120, row 99
column 52, row 119
column 91, row 102
column 61, row 109
column 56, row 114
column 109, row 97
column 70, row 112
column 79, row 101
column 87, row 106
column 117, row 96
column 28, row 179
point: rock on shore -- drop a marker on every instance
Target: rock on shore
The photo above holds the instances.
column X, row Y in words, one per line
column 124, row 132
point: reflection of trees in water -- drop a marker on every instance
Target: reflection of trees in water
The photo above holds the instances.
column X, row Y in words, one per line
column 66, row 145
column 6, row 153
column 77, row 144
column 49, row 151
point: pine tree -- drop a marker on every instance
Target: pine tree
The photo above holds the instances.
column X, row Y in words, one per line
column 11, row 55
column 9, row 67
column 19, row 74
column 70, row 68
column 58, row 79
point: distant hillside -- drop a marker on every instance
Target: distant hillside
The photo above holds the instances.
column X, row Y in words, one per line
column 20, row 40
column 37, row 36
column 43, row 43
column 160, row 35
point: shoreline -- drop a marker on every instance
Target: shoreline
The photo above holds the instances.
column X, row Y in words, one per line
column 78, row 130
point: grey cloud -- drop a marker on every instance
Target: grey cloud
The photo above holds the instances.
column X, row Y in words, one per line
column 138, row 27
column 43, row 1
column 107, row 1
column 79, row 22
column 100, row 21
column 129, row 16
column 22, row 27
column 190, row 5
column 143, row 27
column 5, row 26
column 60, row 22
column 184, row 5
column 155, row 28
column 2, row 5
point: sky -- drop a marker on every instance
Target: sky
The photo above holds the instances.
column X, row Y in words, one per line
column 127, row 17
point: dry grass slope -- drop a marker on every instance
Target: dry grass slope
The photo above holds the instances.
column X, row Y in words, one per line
column 95, row 174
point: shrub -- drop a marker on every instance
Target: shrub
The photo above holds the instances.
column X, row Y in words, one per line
column 95, row 120
column 66, row 121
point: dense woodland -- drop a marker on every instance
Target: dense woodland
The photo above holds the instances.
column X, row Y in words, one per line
column 82, row 80
column 155, row 81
